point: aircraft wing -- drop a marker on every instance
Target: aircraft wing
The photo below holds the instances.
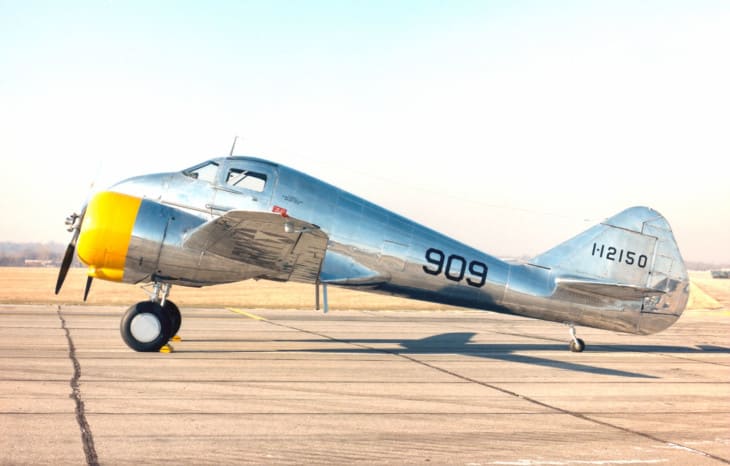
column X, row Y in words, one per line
column 289, row 249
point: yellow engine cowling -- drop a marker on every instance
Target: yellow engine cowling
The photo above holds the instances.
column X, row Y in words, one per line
column 106, row 232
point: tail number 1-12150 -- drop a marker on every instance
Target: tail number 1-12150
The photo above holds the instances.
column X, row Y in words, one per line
column 619, row 255
column 455, row 268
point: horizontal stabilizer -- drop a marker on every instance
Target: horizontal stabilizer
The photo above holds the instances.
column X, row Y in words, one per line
column 608, row 290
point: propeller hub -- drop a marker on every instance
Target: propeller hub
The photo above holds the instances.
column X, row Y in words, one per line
column 73, row 221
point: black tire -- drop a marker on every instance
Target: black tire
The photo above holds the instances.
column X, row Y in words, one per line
column 175, row 317
column 577, row 345
column 145, row 327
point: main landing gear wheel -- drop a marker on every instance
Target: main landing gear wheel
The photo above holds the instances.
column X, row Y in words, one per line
column 146, row 326
column 175, row 317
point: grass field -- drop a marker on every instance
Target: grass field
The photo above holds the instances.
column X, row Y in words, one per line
column 36, row 286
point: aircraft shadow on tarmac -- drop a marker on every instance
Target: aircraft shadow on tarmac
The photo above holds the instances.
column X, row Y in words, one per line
column 460, row 343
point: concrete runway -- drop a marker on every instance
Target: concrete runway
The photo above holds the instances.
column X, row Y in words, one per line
column 296, row 387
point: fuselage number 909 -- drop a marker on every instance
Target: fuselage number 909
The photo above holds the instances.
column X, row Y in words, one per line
column 455, row 268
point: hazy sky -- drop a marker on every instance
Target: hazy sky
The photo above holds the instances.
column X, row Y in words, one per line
column 511, row 125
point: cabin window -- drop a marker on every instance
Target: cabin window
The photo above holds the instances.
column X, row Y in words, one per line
column 205, row 172
column 245, row 179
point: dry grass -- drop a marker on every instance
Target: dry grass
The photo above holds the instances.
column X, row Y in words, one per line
column 36, row 285
column 707, row 292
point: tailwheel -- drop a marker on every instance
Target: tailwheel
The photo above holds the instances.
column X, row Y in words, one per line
column 146, row 326
column 576, row 344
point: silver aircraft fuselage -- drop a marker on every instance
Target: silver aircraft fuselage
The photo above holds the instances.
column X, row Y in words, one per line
column 581, row 282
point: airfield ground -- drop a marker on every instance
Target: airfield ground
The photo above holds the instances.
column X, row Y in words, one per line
column 371, row 382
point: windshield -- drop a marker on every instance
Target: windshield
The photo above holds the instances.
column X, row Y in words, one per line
column 205, row 171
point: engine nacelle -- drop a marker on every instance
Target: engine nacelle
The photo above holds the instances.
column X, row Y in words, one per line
column 125, row 238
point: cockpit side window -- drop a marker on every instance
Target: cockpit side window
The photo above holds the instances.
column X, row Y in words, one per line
column 245, row 179
column 205, row 172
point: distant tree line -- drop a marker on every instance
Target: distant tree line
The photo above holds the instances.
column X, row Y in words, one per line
column 16, row 254
column 697, row 265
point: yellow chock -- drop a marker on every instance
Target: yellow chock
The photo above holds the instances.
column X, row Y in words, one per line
column 167, row 349
column 176, row 338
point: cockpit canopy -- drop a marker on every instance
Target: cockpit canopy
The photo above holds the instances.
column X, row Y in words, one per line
column 239, row 173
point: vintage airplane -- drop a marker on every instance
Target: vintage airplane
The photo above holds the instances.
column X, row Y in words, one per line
column 235, row 218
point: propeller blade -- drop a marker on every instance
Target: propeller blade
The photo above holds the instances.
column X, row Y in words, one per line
column 74, row 223
column 89, row 279
column 67, row 258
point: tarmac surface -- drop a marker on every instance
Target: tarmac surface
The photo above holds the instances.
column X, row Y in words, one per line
column 300, row 387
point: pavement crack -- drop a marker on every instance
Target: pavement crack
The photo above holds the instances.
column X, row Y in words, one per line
column 87, row 438
column 534, row 401
column 560, row 410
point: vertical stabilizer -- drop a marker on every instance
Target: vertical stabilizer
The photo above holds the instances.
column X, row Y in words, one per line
column 633, row 250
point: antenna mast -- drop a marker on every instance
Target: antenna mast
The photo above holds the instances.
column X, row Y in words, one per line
column 233, row 146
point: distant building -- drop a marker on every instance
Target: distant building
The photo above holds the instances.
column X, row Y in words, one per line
column 38, row 263
column 720, row 273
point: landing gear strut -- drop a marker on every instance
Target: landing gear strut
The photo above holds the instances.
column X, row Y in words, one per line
column 576, row 344
column 149, row 325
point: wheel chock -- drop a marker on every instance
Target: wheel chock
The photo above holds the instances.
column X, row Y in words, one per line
column 167, row 349
column 176, row 338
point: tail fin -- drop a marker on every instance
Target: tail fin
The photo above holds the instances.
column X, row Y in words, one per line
column 631, row 255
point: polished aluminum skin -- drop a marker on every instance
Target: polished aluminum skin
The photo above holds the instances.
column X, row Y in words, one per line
column 235, row 218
